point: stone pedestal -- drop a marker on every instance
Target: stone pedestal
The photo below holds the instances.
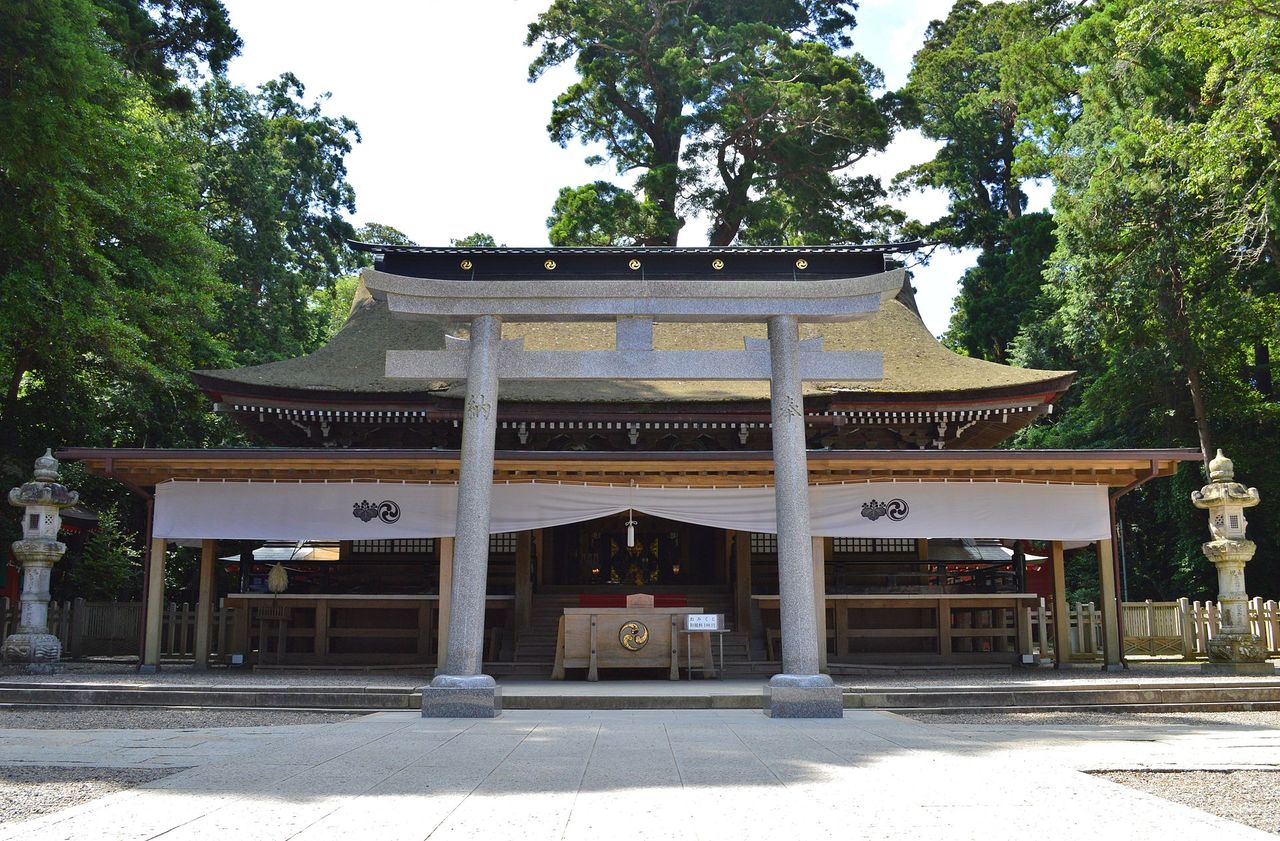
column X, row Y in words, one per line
column 31, row 647
column 1235, row 649
column 452, row 696
column 803, row 696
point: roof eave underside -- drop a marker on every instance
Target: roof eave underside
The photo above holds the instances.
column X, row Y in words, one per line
column 231, row 391
column 639, row 250
column 1114, row 468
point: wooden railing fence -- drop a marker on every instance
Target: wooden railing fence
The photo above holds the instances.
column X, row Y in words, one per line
column 1181, row 628
column 106, row 629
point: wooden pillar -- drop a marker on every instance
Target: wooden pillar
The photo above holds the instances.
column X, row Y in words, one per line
column 446, row 593
column 1112, row 655
column 204, row 601
column 742, row 579
column 1061, row 610
column 820, row 597
column 153, row 608
column 540, row 556
column 524, row 580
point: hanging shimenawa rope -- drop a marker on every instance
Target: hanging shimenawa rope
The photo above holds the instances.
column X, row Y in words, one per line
column 277, row 579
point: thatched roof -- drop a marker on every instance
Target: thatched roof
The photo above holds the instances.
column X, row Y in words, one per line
column 351, row 364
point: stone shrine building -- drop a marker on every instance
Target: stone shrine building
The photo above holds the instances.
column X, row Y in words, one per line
column 624, row 408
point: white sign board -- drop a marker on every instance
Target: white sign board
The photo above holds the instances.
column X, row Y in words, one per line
column 704, row 622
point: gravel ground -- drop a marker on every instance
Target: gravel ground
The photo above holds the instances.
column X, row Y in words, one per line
column 1269, row 719
column 31, row 790
column 1249, row 797
column 142, row 718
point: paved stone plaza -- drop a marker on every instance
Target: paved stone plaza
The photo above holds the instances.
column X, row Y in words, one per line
column 649, row 774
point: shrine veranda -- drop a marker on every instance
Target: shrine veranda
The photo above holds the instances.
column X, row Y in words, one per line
column 500, row 438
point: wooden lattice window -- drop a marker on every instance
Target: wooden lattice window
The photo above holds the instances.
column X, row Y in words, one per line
column 503, row 543
column 877, row 545
column 410, row 546
column 764, row 544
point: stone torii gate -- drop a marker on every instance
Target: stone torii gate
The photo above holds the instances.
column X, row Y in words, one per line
column 482, row 360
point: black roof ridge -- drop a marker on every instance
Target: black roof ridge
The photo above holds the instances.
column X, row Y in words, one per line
column 880, row 248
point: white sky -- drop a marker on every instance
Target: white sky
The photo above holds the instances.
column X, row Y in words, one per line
column 454, row 137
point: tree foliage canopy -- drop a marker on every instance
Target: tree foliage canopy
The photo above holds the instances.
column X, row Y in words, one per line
column 155, row 218
column 1157, row 121
column 748, row 113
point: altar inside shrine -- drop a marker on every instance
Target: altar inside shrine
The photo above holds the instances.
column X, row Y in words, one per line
column 638, row 636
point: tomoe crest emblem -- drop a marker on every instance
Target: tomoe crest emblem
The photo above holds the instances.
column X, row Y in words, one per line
column 387, row 511
column 894, row 509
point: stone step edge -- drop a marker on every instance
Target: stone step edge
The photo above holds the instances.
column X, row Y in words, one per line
column 905, row 691
column 1173, row 707
column 693, row 702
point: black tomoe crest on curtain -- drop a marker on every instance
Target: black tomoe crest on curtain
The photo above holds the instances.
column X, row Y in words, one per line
column 894, row 509
column 387, row 511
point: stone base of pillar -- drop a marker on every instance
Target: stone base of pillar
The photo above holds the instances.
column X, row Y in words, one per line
column 32, row 669
column 803, row 696
column 462, row 696
column 1229, row 669
column 1237, row 654
column 148, row 669
column 1237, row 648
column 1113, row 667
column 33, row 653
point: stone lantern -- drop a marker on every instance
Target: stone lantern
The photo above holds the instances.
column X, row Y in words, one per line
column 1235, row 650
column 42, row 500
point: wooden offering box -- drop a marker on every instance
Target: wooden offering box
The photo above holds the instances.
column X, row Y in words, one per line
column 597, row 638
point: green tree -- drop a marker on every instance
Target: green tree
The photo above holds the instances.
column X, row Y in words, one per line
column 109, row 276
column 272, row 173
column 975, row 86
column 109, row 568
column 597, row 214
column 163, row 40
column 335, row 301
column 475, row 240
column 1001, row 296
column 713, row 104
column 1162, row 285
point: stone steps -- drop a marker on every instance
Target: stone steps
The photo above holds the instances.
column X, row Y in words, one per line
column 740, row 694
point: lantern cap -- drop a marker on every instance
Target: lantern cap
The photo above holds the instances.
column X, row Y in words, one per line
column 1221, row 469
column 47, row 467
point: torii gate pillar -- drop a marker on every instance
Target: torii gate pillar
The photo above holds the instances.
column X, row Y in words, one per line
column 801, row 691
column 461, row 689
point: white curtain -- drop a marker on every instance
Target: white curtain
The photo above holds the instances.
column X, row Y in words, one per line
column 195, row 510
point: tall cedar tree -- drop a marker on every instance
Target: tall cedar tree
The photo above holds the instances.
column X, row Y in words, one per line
column 744, row 112
column 968, row 89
